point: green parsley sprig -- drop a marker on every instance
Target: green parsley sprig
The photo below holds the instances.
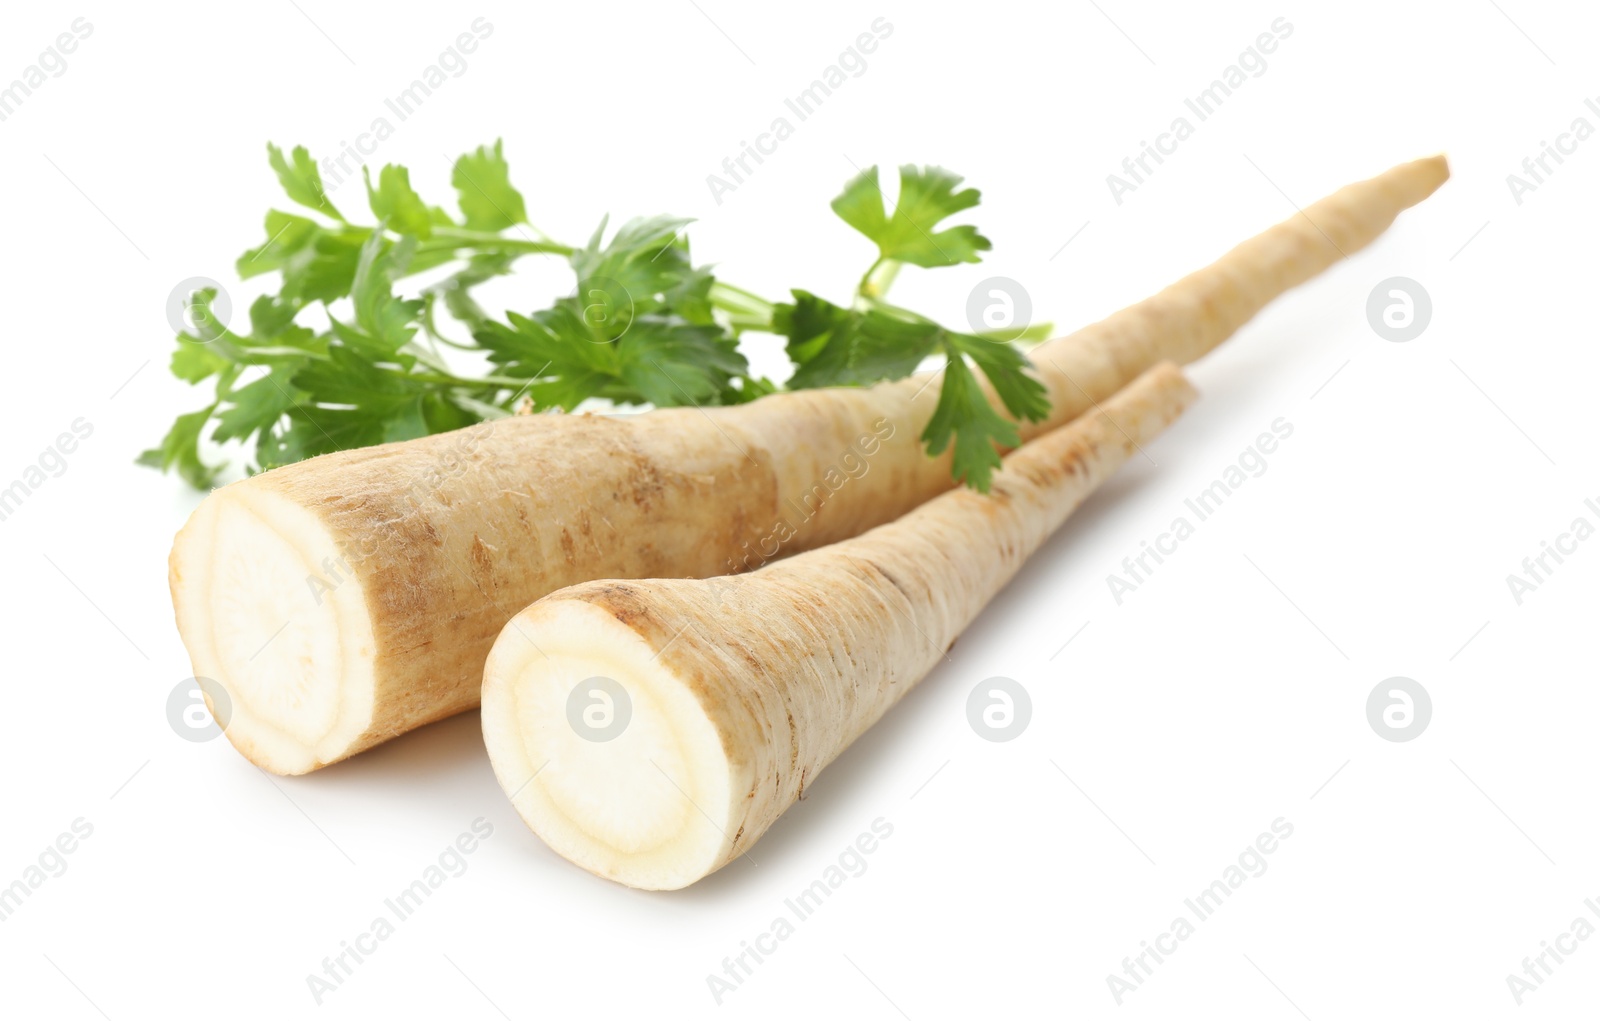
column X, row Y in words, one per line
column 643, row 325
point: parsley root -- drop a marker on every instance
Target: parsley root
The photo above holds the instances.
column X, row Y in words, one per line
column 732, row 710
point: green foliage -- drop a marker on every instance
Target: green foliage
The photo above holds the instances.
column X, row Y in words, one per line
column 911, row 232
column 342, row 357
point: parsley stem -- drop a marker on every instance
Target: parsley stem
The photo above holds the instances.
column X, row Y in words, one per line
column 875, row 282
column 903, row 314
column 481, row 382
column 760, row 324
column 477, row 383
column 450, row 238
column 737, row 299
column 747, row 310
column 1031, row 334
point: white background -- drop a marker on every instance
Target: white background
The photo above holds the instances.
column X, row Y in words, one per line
column 1166, row 736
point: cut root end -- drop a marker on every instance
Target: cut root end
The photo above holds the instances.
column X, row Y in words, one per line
column 608, row 756
column 291, row 646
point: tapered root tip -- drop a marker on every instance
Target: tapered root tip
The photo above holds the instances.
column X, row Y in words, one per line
column 1423, row 176
column 608, row 755
column 268, row 616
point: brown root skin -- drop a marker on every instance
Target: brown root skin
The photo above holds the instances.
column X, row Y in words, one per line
column 442, row 541
column 809, row 654
column 452, row 537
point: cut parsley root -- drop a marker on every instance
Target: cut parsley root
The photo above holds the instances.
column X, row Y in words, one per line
column 347, row 599
column 733, row 710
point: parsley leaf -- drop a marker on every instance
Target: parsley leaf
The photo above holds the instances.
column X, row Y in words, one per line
column 644, row 268
column 964, row 410
column 482, row 180
column 301, row 180
column 384, row 324
column 555, row 348
column 323, row 269
column 395, row 203
column 964, row 414
column 345, row 377
column 257, row 406
column 833, row 346
column 911, row 233
column 1006, row 369
column 287, row 234
column 668, row 361
column 570, row 354
column 198, row 356
column 180, row 449
column 195, row 363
